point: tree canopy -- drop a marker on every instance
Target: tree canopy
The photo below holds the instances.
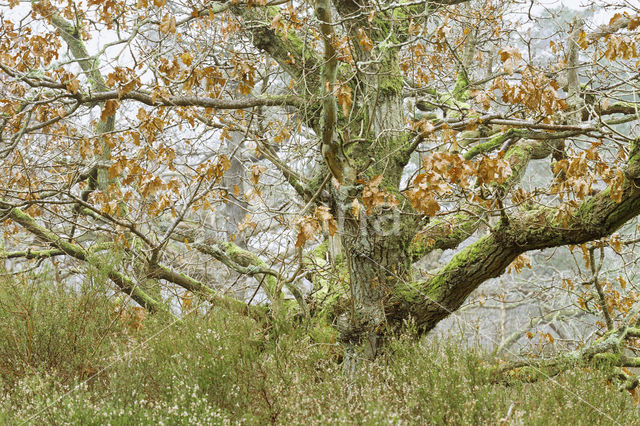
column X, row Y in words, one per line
column 322, row 148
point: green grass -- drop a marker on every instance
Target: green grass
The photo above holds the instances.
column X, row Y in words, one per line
column 67, row 357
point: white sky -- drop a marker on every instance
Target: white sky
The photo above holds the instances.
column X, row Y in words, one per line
column 99, row 40
column 601, row 17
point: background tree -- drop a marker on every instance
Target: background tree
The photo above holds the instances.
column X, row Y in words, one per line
column 396, row 128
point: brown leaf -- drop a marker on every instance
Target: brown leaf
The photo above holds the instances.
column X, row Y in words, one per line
column 187, row 58
column 519, row 263
column 117, row 167
column 623, row 282
column 510, row 57
column 109, row 109
column 322, row 213
column 168, row 24
column 373, row 197
column 343, row 95
column 307, row 228
column 73, row 85
column 324, row 216
column 256, row 171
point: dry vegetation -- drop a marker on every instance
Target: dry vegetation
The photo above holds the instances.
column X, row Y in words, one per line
column 70, row 358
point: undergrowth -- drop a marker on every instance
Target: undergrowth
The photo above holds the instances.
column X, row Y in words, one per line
column 78, row 357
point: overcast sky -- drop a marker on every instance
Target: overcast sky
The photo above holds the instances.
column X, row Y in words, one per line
column 95, row 44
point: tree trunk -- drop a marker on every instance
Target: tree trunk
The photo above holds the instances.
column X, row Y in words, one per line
column 377, row 241
column 377, row 261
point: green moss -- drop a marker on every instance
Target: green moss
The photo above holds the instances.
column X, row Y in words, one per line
column 297, row 45
column 400, row 14
column 469, row 255
column 436, row 289
column 462, row 227
column 233, row 249
column 419, row 248
column 319, row 253
column 410, row 291
column 391, row 84
column 381, row 25
column 396, row 23
column 461, row 88
column 125, row 284
column 280, row 47
column 585, row 210
column 390, row 78
column 516, row 150
column 329, row 292
column 495, row 142
column 634, row 152
column 607, row 359
column 247, row 258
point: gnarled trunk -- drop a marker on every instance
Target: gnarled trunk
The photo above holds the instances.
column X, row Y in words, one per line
column 378, row 260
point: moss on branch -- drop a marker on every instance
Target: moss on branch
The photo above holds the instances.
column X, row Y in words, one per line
column 125, row 284
column 597, row 216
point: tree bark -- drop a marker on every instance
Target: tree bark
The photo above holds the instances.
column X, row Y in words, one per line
column 377, row 260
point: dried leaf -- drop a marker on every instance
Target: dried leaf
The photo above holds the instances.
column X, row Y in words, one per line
column 168, row 24
column 256, row 171
column 307, row 228
column 109, row 109
column 187, row 58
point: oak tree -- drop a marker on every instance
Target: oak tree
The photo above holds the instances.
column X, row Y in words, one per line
column 389, row 128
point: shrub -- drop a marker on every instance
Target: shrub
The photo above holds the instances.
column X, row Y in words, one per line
column 219, row 367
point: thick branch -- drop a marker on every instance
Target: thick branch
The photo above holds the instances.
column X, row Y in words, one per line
column 290, row 52
column 159, row 100
column 606, row 29
column 90, row 67
column 332, row 150
column 294, row 179
column 196, row 287
column 596, row 217
column 573, row 82
column 243, row 262
column 89, row 64
column 607, row 350
column 125, row 284
column 197, row 101
column 32, row 254
column 450, row 231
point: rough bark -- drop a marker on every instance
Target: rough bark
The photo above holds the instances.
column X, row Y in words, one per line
column 377, row 261
column 367, row 141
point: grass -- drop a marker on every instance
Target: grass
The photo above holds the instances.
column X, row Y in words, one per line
column 76, row 357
